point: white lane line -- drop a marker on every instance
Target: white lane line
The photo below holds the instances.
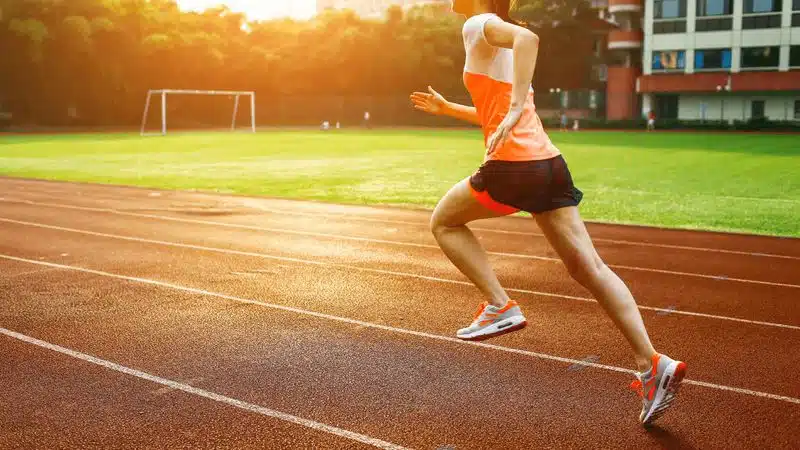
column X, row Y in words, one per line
column 380, row 271
column 365, row 219
column 524, row 233
column 361, row 323
column 203, row 393
column 742, row 391
column 400, row 243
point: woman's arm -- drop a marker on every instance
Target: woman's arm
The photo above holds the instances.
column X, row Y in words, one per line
column 434, row 103
column 462, row 112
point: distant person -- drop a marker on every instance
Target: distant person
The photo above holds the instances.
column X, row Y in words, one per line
column 366, row 120
column 575, row 125
column 651, row 121
column 523, row 171
column 564, row 121
column 326, row 125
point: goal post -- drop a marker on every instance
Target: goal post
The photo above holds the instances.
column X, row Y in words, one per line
column 164, row 93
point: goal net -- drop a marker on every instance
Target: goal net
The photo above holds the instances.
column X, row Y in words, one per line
column 197, row 110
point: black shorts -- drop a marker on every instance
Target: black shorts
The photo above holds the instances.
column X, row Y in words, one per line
column 532, row 186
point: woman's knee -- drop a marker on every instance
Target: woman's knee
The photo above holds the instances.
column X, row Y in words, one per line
column 446, row 213
column 585, row 270
column 439, row 223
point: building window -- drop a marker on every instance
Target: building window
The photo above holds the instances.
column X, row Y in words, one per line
column 709, row 14
column 714, row 8
column 600, row 73
column 762, row 6
column 713, row 24
column 712, row 59
column 797, row 110
column 760, row 56
column 761, row 21
column 794, row 56
column 796, row 17
column 670, row 26
column 668, row 60
column 757, row 109
column 669, row 9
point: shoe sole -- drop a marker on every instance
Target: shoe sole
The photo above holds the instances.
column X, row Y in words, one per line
column 497, row 329
column 667, row 390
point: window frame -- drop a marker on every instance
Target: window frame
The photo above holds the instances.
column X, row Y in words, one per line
column 668, row 70
column 658, row 10
column 794, row 50
column 721, row 68
column 773, row 47
column 751, row 3
column 728, row 6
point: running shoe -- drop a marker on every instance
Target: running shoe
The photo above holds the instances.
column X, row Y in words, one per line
column 490, row 321
column 658, row 386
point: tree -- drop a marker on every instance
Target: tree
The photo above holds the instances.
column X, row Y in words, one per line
column 102, row 56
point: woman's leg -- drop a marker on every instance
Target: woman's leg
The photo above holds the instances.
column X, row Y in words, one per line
column 448, row 224
column 567, row 234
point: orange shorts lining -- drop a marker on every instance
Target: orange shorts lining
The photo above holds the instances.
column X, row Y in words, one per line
column 486, row 200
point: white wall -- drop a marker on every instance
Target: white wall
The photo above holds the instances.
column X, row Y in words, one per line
column 736, row 107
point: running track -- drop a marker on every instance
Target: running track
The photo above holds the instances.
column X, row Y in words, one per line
column 133, row 318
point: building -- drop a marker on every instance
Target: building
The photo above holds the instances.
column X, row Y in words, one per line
column 704, row 59
column 370, row 8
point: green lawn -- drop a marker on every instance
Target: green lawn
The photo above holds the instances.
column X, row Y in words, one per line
column 733, row 182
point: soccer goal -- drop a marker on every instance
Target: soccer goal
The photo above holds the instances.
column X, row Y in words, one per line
column 164, row 94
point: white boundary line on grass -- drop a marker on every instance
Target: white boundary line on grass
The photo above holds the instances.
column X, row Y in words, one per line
column 386, row 241
column 385, row 272
column 390, row 328
column 401, row 222
column 204, row 393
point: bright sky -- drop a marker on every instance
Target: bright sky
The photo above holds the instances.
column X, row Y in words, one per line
column 258, row 9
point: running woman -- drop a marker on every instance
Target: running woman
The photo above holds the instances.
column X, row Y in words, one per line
column 524, row 171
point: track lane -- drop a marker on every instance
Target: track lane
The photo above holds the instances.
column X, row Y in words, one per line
column 382, row 384
column 564, row 328
column 748, row 268
column 50, row 400
column 665, row 291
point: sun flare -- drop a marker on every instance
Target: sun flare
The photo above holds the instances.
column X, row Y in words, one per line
column 258, row 9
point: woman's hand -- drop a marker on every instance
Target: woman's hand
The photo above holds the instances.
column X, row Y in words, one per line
column 503, row 130
column 430, row 102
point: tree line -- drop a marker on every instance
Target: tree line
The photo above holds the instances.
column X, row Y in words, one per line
column 92, row 61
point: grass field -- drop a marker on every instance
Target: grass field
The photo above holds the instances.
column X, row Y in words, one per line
column 730, row 182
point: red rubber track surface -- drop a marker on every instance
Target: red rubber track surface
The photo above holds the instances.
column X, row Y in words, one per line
column 344, row 315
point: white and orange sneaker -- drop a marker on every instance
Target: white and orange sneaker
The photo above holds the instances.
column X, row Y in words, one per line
column 658, row 386
column 490, row 321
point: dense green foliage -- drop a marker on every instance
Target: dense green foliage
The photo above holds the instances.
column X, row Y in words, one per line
column 91, row 62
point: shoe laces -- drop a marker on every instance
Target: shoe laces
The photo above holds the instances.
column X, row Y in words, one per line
column 636, row 385
column 480, row 310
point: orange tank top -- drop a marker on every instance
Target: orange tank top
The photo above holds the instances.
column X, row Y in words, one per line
column 488, row 76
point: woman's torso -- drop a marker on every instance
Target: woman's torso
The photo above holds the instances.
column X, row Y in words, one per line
column 488, row 76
